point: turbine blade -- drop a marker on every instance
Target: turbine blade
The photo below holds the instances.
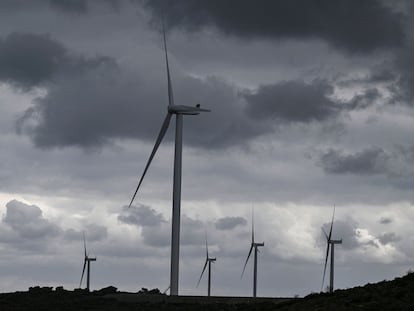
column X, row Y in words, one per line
column 204, row 269
column 252, row 225
column 206, row 247
column 154, row 150
column 324, row 232
column 170, row 90
column 83, row 272
column 166, row 290
column 247, row 259
column 330, row 231
column 326, row 262
column 84, row 244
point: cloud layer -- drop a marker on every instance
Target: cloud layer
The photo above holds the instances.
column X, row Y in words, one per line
column 343, row 23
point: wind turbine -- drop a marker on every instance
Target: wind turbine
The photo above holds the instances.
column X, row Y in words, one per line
column 209, row 260
column 330, row 243
column 254, row 246
column 86, row 263
column 179, row 111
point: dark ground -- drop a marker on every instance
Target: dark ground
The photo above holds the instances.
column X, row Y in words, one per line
column 387, row 295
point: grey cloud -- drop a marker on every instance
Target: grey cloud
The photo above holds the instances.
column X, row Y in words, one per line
column 348, row 25
column 66, row 6
column 292, row 101
column 345, row 230
column 80, row 6
column 349, row 231
column 379, row 75
column 75, row 6
column 385, row 220
column 157, row 236
column 403, row 89
column 388, row 237
column 364, row 100
column 192, row 233
column 406, row 153
column 92, row 233
column 366, row 162
column 28, row 221
column 229, row 223
column 402, row 66
column 23, row 226
column 104, row 103
column 142, row 215
column 28, row 60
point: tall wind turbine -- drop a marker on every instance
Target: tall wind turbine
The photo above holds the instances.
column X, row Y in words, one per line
column 179, row 111
column 330, row 243
column 209, row 260
column 86, row 263
column 254, row 246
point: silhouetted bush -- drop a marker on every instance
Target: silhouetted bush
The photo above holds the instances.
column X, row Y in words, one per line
column 107, row 290
column 145, row 291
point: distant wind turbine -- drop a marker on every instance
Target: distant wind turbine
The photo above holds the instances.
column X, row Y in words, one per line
column 179, row 111
column 208, row 261
column 254, row 246
column 330, row 244
column 86, row 264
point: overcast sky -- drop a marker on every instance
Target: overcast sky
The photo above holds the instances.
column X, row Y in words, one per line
column 312, row 105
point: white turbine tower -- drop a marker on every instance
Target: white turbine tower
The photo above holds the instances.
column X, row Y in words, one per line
column 254, row 246
column 86, row 264
column 330, row 243
column 208, row 261
column 179, row 111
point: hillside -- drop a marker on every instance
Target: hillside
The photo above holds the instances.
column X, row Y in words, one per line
column 387, row 295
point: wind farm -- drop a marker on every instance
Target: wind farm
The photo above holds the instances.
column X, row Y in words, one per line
column 145, row 124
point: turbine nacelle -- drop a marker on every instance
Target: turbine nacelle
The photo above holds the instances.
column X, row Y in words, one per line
column 336, row 241
column 186, row 110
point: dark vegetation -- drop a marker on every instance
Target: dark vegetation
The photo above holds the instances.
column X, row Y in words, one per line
column 386, row 295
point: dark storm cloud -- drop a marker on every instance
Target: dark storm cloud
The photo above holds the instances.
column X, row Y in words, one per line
column 76, row 6
column 28, row 221
column 79, row 6
column 366, row 162
column 356, row 26
column 229, row 223
column 141, row 216
column 404, row 65
column 65, row 6
column 104, row 103
column 292, row 101
column 28, row 60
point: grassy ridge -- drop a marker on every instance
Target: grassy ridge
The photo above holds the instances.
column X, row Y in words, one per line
column 387, row 295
